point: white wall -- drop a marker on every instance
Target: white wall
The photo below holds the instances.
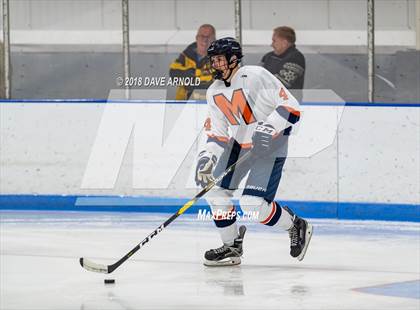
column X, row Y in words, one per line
column 89, row 18
column 188, row 14
column 45, row 149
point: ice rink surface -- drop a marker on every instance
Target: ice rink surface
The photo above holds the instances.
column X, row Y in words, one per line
column 349, row 265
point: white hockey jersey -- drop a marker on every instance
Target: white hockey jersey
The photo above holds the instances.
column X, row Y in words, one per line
column 254, row 95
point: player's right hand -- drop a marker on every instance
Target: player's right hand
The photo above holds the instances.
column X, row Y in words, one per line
column 262, row 139
column 204, row 170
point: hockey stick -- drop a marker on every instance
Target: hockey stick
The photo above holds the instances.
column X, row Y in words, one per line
column 91, row 266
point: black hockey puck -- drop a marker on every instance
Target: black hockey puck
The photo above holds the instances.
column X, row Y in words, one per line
column 109, row 281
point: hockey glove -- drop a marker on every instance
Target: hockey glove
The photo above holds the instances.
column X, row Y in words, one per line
column 262, row 139
column 204, row 170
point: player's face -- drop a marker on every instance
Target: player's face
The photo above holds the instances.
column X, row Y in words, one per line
column 219, row 63
column 279, row 44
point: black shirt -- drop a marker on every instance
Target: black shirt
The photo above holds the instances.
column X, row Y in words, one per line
column 288, row 67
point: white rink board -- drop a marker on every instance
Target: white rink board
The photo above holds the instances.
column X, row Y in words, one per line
column 46, row 150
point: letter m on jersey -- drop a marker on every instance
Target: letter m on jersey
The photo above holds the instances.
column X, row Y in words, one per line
column 237, row 107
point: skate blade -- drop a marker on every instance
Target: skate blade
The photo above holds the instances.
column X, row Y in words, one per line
column 308, row 237
column 231, row 261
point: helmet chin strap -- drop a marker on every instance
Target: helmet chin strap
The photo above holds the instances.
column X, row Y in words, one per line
column 227, row 83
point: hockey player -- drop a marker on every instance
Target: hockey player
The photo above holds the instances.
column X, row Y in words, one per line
column 250, row 110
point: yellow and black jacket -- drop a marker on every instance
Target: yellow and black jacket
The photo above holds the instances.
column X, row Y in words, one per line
column 189, row 64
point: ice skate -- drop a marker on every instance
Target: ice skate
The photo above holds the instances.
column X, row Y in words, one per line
column 300, row 235
column 226, row 255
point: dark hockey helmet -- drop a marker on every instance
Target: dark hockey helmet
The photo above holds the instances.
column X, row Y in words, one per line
column 226, row 46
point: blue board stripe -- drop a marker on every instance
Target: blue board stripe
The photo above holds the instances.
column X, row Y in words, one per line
column 141, row 101
column 311, row 209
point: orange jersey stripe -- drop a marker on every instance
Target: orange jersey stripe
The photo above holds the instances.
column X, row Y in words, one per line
column 220, row 138
column 292, row 111
column 246, row 145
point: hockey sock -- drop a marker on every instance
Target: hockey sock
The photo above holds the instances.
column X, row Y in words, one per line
column 278, row 217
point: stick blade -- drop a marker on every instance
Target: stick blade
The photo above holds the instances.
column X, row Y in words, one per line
column 91, row 266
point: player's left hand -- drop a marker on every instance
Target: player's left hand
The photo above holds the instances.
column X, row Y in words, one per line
column 262, row 139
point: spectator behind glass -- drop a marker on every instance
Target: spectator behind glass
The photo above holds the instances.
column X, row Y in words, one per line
column 286, row 62
column 193, row 62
